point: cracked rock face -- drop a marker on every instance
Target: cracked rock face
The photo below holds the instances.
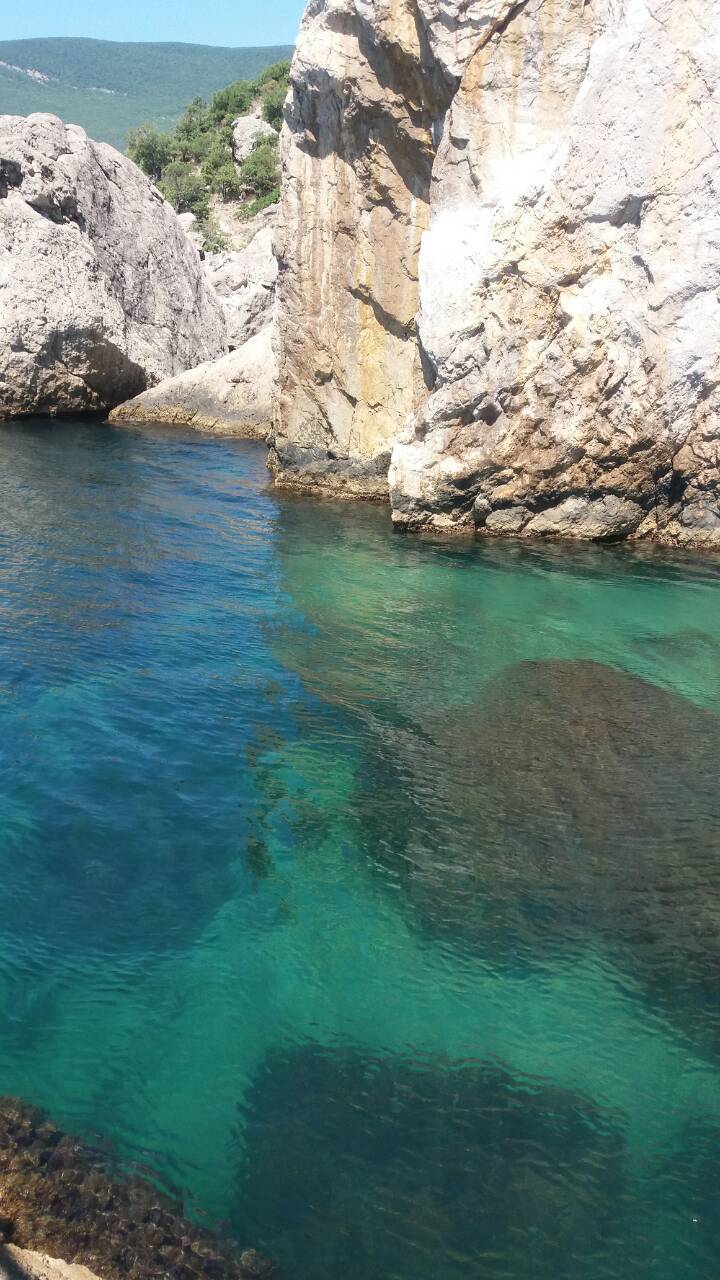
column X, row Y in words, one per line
column 233, row 395
column 535, row 331
column 101, row 292
column 357, row 154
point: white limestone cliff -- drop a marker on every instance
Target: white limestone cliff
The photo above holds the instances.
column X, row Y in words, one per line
column 500, row 264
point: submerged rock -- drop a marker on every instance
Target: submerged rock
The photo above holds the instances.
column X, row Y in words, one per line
column 101, row 292
column 463, row 1168
column 584, row 811
column 58, row 1196
column 500, row 268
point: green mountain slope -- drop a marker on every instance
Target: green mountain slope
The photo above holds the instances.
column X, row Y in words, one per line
column 109, row 87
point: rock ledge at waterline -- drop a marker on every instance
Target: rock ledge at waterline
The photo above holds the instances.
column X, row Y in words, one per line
column 102, row 293
column 233, row 395
column 500, row 264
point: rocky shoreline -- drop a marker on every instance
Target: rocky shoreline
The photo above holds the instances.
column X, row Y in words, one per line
column 60, row 1199
column 489, row 295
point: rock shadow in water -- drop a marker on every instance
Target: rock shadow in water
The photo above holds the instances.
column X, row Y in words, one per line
column 357, row 1166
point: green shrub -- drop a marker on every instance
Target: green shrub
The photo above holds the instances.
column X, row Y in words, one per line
column 193, row 132
column 276, row 72
column 273, row 103
column 150, row 149
column 256, row 206
column 261, row 171
column 214, row 241
column 184, row 189
column 233, row 101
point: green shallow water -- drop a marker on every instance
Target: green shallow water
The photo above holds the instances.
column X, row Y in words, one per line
column 365, row 889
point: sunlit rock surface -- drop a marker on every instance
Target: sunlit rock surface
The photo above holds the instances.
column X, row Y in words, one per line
column 501, row 261
column 102, row 293
column 233, row 395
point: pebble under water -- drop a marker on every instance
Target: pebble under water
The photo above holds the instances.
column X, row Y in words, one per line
column 363, row 889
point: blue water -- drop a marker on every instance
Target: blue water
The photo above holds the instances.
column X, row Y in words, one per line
column 365, row 889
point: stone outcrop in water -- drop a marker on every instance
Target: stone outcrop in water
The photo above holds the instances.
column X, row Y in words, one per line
column 57, row 1196
column 233, row 395
column 101, row 292
column 500, row 261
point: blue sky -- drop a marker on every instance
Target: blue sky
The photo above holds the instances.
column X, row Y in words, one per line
column 225, row 22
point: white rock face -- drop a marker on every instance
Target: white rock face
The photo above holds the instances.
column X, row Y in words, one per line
column 246, row 131
column 566, row 287
column 234, row 395
column 245, row 283
column 101, row 292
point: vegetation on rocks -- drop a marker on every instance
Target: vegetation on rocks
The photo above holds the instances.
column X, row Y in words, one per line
column 196, row 160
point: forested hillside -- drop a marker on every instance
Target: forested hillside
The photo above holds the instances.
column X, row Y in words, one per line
column 110, row 87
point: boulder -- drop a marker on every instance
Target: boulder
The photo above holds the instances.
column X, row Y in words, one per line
column 101, row 292
column 244, row 281
column 231, row 396
column 246, row 131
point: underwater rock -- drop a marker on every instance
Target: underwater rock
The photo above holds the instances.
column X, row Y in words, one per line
column 57, row 1195
column 459, row 1161
column 584, row 806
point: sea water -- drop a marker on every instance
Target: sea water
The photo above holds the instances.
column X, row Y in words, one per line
column 364, row 889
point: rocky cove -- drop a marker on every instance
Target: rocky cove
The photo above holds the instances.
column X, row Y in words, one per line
column 496, row 260
column 361, row 894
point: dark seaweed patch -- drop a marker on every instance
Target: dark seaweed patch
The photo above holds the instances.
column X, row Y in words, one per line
column 574, row 802
column 361, row 1167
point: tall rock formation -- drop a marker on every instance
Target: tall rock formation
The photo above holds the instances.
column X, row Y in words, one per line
column 501, row 260
column 358, row 150
column 101, row 292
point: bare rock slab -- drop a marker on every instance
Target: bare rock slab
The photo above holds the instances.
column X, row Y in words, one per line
column 231, row 396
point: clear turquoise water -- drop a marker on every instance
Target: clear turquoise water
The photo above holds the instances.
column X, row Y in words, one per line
column 339, row 888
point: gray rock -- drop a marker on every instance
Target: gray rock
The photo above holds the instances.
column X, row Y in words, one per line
column 597, row 520
column 101, row 292
column 245, row 283
column 246, row 131
column 232, row 396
